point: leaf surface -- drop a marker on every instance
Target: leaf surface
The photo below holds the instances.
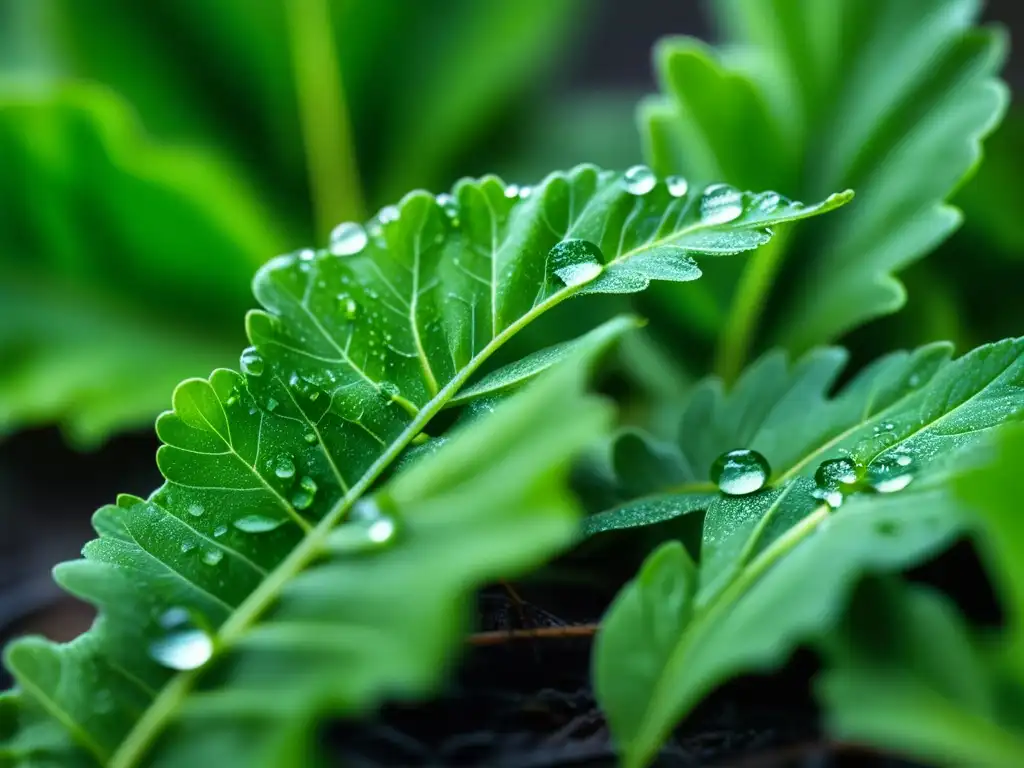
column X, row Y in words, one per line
column 356, row 350
column 776, row 566
column 892, row 101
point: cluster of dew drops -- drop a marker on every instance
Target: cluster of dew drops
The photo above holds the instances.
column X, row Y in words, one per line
column 744, row 471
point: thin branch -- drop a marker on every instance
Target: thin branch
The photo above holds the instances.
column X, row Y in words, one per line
column 497, row 637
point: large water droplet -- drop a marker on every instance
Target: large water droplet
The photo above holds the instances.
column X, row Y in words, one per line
column 677, row 186
column 388, row 214
column 347, row 238
column 737, row 473
column 185, row 646
column 575, row 261
column 640, row 180
column 284, row 467
column 213, row 556
column 890, row 473
column 196, row 510
column 512, row 190
column 303, row 497
column 833, row 479
column 257, row 523
column 721, row 204
column 252, row 362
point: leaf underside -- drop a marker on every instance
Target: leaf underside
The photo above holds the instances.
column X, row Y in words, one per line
column 357, row 348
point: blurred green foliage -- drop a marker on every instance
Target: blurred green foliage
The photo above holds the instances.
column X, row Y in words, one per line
column 155, row 153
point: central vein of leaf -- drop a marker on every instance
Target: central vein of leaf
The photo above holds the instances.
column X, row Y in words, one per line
column 164, row 706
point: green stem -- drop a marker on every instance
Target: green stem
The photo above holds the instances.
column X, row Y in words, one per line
column 747, row 305
column 331, row 165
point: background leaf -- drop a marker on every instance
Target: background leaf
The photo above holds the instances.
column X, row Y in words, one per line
column 892, row 101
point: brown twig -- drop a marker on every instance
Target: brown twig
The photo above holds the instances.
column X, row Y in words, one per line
column 497, row 637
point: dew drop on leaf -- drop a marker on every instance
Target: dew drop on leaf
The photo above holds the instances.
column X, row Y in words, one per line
column 640, row 180
column 284, row 467
column 768, row 202
column 220, row 530
column 347, row 238
column 677, row 186
column 525, row 192
column 196, row 510
column 187, row 546
column 891, row 473
column 833, row 479
column 184, row 646
column 213, row 556
column 272, row 403
column 721, row 204
column 309, row 437
column 348, row 306
column 252, row 362
column 388, row 214
column 257, row 523
column 737, row 473
column 389, row 389
column 512, row 191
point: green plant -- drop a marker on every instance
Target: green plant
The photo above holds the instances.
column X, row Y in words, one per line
column 397, row 438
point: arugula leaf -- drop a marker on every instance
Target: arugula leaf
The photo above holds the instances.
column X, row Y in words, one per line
column 136, row 262
column 892, row 100
column 923, row 683
column 357, row 349
column 776, row 565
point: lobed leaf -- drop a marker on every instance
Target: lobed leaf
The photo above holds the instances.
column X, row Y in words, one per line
column 245, row 554
column 776, row 566
column 892, row 100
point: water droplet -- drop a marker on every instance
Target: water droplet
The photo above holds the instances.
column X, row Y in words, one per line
column 308, row 483
column 737, row 473
column 372, row 524
column 577, row 274
column 833, row 479
column 196, row 510
column 677, row 186
column 220, row 530
column 272, row 403
column 232, row 399
column 347, row 238
column 284, row 467
column 525, row 192
column 309, row 437
column 307, row 254
column 187, row 546
column 768, row 202
column 887, row 475
column 389, row 389
column 575, row 261
column 302, row 500
column 721, row 204
column 904, row 460
column 388, row 214
column 257, row 523
column 348, row 306
column 252, row 362
column 640, row 180
column 185, row 646
column 213, row 556
column 512, row 190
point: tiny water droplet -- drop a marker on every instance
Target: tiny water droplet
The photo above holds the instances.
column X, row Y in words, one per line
column 677, row 186
column 196, row 510
column 232, row 399
column 185, row 646
column 887, row 475
column 740, row 472
column 348, row 306
column 284, row 467
column 252, row 362
column 388, row 214
column 640, row 180
column 257, row 523
column 213, row 556
column 525, row 192
column 187, row 546
column 512, row 190
column 220, row 530
column 348, row 238
column 721, row 204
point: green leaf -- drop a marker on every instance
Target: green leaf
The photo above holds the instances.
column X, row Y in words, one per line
column 357, row 350
column 892, row 100
column 919, row 682
column 776, row 566
column 123, row 262
column 918, row 685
